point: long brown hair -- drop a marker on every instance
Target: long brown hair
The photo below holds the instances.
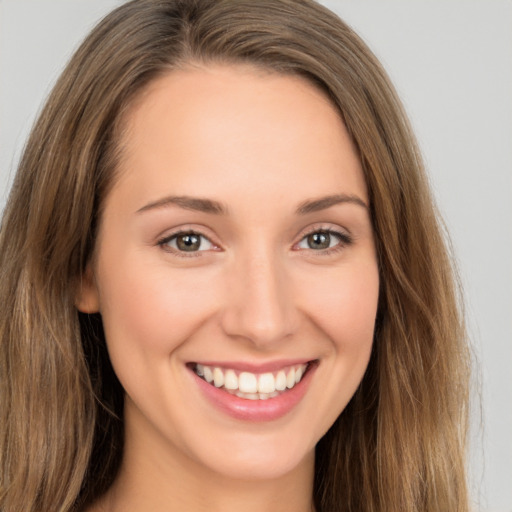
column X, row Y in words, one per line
column 399, row 444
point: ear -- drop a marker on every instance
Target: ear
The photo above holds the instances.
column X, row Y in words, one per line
column 87, row 297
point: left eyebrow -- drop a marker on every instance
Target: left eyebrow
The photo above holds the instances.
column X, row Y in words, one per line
column 188, row 203
column 322, row 203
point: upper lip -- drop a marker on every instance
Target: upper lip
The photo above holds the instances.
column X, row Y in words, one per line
column 252, row 367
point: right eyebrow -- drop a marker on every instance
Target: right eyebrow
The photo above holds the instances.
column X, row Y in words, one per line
column 199, row 204
column 323, row 203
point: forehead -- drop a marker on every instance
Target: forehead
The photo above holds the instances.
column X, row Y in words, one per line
column 196, row 129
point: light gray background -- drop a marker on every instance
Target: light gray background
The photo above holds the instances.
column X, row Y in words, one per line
column 451, row 61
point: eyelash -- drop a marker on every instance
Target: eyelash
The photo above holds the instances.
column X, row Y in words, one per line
column 163, row 243
column 344, row 240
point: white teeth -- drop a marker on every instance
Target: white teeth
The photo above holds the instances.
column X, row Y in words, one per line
column 266, row 383
column 247, row 383
column 248, row 396
column 208, row 374
column 290, row 378
column 218, row 377
column 256, row 396
column 281, row 381
column 230, row 380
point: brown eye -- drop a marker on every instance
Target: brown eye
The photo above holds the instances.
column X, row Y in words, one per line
column 323, row 240
column 187, row 242
column 320, row 240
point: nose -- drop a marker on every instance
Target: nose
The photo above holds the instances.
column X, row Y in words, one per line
column 259, row 304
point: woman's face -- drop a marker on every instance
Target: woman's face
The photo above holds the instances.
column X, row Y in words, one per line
column 236, row 245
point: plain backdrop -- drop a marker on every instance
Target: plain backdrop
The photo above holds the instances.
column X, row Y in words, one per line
column 451, row 62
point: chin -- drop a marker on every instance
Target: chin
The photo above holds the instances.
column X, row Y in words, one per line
column 261, row 467
column 262, row 458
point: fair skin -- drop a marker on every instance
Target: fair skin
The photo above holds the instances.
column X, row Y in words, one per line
column 237, row 236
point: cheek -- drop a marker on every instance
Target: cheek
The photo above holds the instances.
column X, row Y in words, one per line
column 344, row 306
column 152, row 308
column 345, row 310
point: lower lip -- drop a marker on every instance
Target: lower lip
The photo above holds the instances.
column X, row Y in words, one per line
column 256, row 410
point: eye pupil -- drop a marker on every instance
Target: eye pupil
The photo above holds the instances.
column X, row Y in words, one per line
column 319, row 240
column 188, row 242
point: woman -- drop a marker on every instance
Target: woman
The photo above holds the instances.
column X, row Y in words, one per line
column 224, row 281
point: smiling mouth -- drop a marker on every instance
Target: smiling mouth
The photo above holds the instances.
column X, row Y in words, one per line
column 252, row 386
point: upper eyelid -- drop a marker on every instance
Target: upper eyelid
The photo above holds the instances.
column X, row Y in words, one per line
column 166, row 239
column 169, row 234
column 326, row 227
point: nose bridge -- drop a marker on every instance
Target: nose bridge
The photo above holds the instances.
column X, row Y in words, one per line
column 259, row 304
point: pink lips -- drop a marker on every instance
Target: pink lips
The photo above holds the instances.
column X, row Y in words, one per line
column 256, row 410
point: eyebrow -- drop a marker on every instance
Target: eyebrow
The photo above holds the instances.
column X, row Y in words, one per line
column 189, row 203
column 214, row 207
column 323, row 203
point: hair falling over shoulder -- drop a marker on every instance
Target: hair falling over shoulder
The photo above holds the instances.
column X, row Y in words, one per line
column 400, row 444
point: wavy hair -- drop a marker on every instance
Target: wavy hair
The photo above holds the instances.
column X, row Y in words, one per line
column 400, row 443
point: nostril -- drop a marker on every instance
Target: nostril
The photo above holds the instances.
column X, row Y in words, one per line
column 261, row 324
